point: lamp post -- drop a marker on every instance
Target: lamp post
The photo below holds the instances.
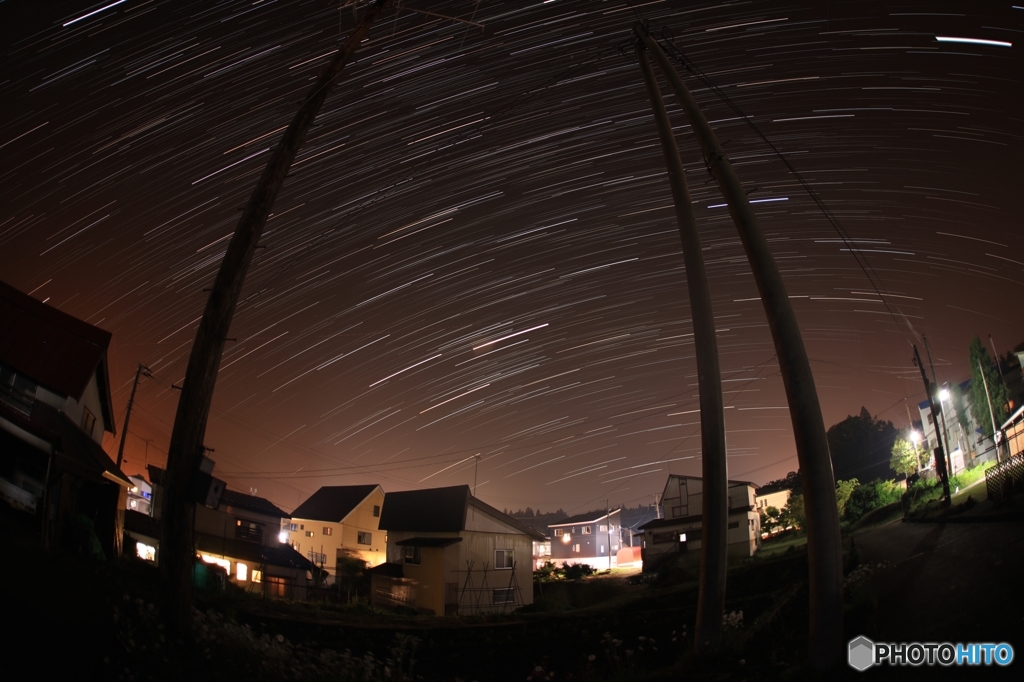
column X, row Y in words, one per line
column 915, row 438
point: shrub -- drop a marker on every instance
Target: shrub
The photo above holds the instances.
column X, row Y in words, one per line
column 577, row 571
column 871, row 496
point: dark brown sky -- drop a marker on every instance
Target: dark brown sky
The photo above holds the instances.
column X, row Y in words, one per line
column 476, row 250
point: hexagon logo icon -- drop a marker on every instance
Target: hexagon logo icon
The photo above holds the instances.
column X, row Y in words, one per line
column 861, row 655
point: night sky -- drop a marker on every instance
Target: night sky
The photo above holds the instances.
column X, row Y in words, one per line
column 476, row 250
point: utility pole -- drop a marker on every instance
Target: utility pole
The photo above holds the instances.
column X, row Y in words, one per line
column 824, row 545
column 185, row 450
column 942, row 416
column 940, row 460
column 995, row 356
column 715, row 511
column 917, row 457
column 991, row 415
column 140, row 371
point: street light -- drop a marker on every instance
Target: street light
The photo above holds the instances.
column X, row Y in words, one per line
column 915, row 438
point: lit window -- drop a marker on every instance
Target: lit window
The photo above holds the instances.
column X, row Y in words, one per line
column 365, row 538
column 682, row 537
column 602, row 529
column 257, row 576
column 223, row 563
column 146, row 552
column 242, row 571
column 575, row 548
column 309, row 533
column 503, row 558
column 586, row 530
column 328, row 530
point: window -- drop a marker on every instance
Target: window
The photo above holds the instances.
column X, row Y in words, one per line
column 586, row 530
column 576, row 548
column 376, row 510
column 317, row 558
column 257, row 576
column 503, row 558
column 504, row 595
column 293, row 526
column 411, row 555
column 88, row 421
column 248, row 530
column 309, row 533
column 365, row 538
column 242, row 572
column 223, row 563
column 328, row 530
column 146, row 552
column 602, row 529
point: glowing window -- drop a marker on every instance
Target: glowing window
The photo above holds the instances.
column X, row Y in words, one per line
column 586, row 530
column 223, row 563
column 242, row 571
column 146, row 552
column 257, row 576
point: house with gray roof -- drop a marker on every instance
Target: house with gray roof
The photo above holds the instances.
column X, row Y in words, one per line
column 450, row 553
column 339, row 524
column 593, row 538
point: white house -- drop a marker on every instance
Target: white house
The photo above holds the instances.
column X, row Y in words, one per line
column 681, row 529
column 593, row 538
column 449, row 553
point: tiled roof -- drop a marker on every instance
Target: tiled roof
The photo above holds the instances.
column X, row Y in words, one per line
column 53, row 348
column 588, row 517
column 252, row 503
column 273, row 555
column 333, row 503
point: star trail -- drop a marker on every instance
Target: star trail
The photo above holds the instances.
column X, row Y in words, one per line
column 475, row 252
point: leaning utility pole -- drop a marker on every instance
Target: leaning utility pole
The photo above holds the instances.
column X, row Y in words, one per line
column 991, row 414
column 940, row 460
column 186, row 447
column 715, row 486
column 140, row 371
column 824, row 545
column 948, row 462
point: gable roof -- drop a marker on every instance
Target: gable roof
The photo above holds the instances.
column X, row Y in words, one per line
column 588, row 517
column 439, row 510
column 53, row 348
column 333, row 502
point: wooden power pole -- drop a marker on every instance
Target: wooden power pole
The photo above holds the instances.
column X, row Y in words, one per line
column 714, row 486
column 186, row 447
column 141, row 371
column 824, row 545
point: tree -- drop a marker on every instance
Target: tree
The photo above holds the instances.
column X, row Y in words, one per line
column 793, row 513
column 904, row 459
column 770, row 519
column 844, row 490
column 981, row 362
column 860, row 447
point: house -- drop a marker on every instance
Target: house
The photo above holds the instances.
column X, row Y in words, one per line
column 239, row 533
column 766, row 497
column 450, row 553
column 593, row 538
column 55, row 407
column 681, row 529
column 967, row 445
column 140, row 495
column 337, row 523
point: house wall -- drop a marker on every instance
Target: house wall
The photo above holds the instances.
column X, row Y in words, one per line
column 222, row 522
column 74, row 408
column 593, row 547
column 442, row 574
column 743, row 537
column 344, row 535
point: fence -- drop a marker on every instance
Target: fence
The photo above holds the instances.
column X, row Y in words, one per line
column 1003, row 476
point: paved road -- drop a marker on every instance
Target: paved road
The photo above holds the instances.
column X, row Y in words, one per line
column 958, row 582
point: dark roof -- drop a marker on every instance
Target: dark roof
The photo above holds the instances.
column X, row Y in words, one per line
column 588, row 517
column 428, row 542
column 333, row 502
column 230, row 497
column 273, row 555
column 434, row 510
column 388, row 569
column 252, row 503
column 439, row 510
column 140, row 523
column 665, row 523
column 53, row 348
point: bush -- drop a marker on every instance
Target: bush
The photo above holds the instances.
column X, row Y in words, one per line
column 577, row 571
column 871, row 496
